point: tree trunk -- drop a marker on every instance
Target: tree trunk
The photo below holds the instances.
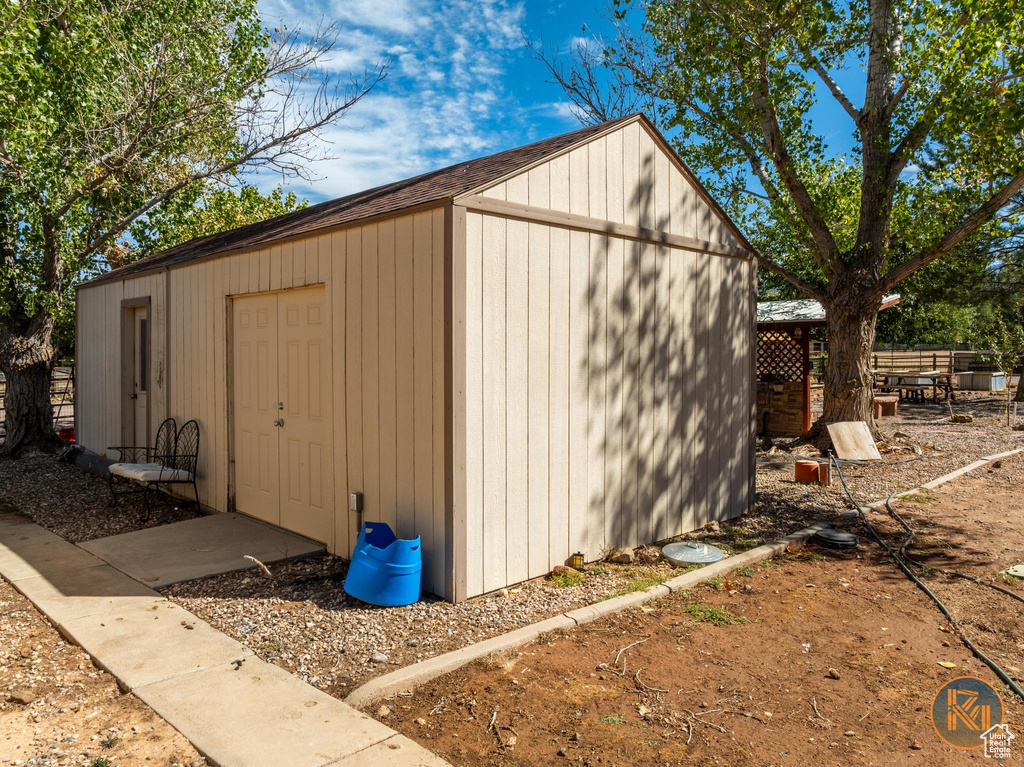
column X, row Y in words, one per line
column 26, row 360
column 848, row 380
column 1019, row 396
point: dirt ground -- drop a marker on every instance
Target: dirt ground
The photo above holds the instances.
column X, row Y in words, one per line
column 75, row 714
column 823, row 656
column 294, row 620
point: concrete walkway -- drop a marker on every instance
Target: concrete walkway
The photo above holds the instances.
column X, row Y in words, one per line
column 198, row 548
column 236, row 709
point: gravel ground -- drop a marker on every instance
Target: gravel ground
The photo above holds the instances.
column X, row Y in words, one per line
column 57, row 708
column 922, row 444
column 305, row 623
column 74, row 503
column 296, row 619
column 302, row 620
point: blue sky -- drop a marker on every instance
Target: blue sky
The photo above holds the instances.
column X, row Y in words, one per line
column 462, row 83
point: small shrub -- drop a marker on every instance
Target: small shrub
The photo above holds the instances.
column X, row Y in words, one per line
column 921, row 495
column 109, row 741
column 808, row 556
column 737, row 539
column 598, row 570
column 613, row 719
column 643, row 580
column 569, row 579
column 718, row 616
column 715, row 583
column 1008, row 579
column 746, row 572
column 100, row 761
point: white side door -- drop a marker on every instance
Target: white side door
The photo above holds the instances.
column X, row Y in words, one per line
column 304, row 371
column 140, row 376
column 255, row 382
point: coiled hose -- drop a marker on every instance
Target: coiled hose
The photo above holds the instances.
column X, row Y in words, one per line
column 899, row 560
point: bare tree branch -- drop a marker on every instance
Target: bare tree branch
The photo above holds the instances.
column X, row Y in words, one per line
column 277, row 127
column 797, row 282
column 598, row 92
column 954, row 237
column 834, row 88
column 776, row 146
column 268, row 150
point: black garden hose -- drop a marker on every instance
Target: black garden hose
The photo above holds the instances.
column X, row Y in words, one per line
column 920, row 584
column 924, row 566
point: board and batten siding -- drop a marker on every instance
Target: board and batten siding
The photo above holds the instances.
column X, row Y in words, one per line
column 393, row 368
column 605, row 396
column 98, row 373
column 625, row 177
column 385, row 294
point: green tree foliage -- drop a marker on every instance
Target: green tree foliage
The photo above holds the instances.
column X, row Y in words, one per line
column 201, row 210
column 1002, row 343
column 110, row 109
column 930, row 95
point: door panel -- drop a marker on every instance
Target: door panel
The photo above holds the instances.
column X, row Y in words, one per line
column 257, row 463
column 282, row 374
column 305, row 381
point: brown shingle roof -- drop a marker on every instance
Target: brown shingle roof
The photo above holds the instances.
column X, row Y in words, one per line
column 430, row 187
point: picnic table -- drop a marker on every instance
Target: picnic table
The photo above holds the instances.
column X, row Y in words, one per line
column 938, row 380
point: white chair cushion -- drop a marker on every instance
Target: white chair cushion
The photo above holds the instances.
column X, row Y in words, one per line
column 150, row 472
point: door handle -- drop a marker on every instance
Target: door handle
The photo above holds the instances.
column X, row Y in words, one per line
column 279, row 422
column 135, row 396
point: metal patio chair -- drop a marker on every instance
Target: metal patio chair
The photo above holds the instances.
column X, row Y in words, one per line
column 172, row 461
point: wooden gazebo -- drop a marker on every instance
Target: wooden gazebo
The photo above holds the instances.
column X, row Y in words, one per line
column 784, row 363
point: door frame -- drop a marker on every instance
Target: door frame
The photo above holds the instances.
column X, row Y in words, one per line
column 229, row 383
column 229, row 393
column 128, row 307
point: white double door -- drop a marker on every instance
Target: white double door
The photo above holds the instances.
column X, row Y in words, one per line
column 282, row 410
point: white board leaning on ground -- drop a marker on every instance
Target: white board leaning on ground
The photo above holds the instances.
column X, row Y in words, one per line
column 543, row 351
column 852, row 441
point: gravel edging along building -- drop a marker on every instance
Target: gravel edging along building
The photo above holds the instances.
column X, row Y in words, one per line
column 541, row 352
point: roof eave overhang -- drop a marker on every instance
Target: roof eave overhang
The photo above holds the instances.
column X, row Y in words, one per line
column 113, row 276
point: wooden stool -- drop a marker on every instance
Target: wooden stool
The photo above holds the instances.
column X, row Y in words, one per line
column 806, row 471
column 885, row 406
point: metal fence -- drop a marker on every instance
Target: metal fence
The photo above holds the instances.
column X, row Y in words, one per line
column 62, row 397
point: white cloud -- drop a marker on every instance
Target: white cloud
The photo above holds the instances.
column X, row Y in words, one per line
column 404, row 17
column 444, row 100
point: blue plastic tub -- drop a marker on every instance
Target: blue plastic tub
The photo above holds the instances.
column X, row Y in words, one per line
column 385, row 570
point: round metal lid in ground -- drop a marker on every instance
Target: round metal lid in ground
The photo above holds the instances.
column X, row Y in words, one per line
column 835, row 539
column 691, row 552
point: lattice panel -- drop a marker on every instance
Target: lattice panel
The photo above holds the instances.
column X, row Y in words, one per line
column 779, row 357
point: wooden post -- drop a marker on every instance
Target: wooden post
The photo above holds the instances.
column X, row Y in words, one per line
column 805, row 343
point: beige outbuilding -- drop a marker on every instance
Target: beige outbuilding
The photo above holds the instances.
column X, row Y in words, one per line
column 545, row 351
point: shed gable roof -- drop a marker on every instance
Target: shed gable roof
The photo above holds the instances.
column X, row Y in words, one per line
column 434, row 187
